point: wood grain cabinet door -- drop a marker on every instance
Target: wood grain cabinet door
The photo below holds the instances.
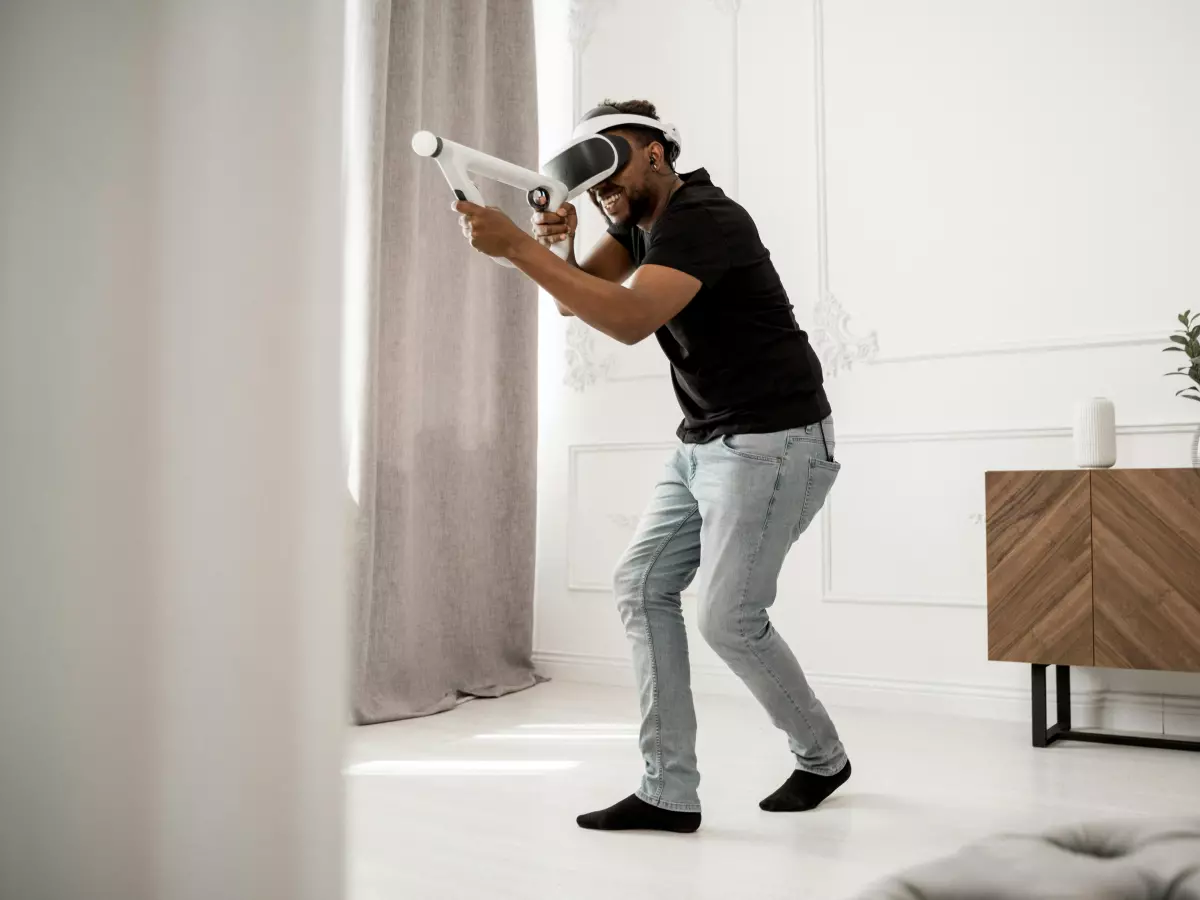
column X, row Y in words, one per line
column 1039, row 567
column 1146, row 549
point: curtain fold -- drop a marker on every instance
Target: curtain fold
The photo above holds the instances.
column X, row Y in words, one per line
column 443, row 353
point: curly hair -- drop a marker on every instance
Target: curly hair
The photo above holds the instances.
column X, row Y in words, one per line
column 643, row 134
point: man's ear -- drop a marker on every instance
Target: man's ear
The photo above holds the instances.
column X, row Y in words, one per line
column 658, row 154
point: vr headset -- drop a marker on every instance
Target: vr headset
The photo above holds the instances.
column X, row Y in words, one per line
column 589, row 159
column 592, row 157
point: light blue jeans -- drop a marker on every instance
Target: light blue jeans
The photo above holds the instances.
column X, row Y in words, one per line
column 729, row 509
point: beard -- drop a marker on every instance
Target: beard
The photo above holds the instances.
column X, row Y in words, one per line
column 638, row 205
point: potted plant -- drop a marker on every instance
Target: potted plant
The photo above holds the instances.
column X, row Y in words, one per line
column 1187, row 340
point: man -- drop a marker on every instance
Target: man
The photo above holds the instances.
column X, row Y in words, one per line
column 753, row 466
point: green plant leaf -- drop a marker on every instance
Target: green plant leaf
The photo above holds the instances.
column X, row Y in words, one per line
column 1178, row 339
column 1169, row 349
column 1190, row 397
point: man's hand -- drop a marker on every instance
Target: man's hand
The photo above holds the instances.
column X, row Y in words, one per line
column 488, row 229
column 550, row 228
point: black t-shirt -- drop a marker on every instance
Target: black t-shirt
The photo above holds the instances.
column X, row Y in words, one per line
column 739, row 361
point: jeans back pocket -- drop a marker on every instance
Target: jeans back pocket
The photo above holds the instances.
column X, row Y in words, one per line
column 822, row 473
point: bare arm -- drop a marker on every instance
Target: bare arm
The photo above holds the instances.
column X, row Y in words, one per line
column 608, row 259
column 655, row 295
column 629, row 314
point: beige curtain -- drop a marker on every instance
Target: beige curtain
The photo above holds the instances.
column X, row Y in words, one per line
column 443, row 380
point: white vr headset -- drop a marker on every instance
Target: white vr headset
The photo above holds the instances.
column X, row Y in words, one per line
column 587, row 161
column 592, row 157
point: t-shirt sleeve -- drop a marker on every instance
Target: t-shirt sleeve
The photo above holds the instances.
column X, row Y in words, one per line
column 690, row 241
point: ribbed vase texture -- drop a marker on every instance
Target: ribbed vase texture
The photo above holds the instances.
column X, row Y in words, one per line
column 1095, row 434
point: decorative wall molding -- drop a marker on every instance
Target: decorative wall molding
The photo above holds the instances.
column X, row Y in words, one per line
column 586, row 365
column 830, row 595
column 576, row 585
column 626, row 521
column 1045, row 345
column 581, row 25
column 1090, row 708
column 589, row 587
column 733, row 9
column 581, row 22
column 836, row 345
column 735, row 127
column 1004, row 432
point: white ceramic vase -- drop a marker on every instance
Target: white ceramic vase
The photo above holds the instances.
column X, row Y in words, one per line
column 1196, row 448
column 1095, row 434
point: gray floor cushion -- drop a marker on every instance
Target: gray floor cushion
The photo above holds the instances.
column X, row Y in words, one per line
column 1125, row 860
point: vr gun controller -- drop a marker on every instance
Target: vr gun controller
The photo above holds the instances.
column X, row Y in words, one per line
column 458, row 163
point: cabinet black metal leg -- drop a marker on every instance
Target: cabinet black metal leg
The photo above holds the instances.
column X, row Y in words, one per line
column 1062, row 679
column 1044, row 736
column 1039, row 705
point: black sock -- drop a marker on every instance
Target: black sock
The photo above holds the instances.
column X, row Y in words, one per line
column 632, row 813
column 804, row 790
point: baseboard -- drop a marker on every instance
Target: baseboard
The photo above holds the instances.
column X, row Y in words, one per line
column 1181, row 716
column 1122, row 710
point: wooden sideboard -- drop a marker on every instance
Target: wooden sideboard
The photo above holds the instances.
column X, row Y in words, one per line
column 1093, row 567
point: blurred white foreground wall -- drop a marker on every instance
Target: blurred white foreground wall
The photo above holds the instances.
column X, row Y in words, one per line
column 171, row 500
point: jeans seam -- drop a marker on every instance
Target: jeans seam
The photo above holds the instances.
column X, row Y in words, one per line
column 658, row 551
column 752, row 457
column 742, row 607
column 667, row 804
column 807, row 493
column 825, row 770
column 813, row 462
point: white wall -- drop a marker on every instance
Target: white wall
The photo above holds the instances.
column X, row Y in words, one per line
column 983, row 212
column 172, row 702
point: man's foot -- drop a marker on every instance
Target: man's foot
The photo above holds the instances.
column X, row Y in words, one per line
column 632, row 813
column 804, row 790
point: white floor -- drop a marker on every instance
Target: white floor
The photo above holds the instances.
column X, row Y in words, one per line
column 480, row 802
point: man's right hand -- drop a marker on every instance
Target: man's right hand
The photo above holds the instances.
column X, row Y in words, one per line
column 550, row 228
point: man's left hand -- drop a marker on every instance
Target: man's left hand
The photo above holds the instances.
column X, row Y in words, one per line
column 488, row 229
